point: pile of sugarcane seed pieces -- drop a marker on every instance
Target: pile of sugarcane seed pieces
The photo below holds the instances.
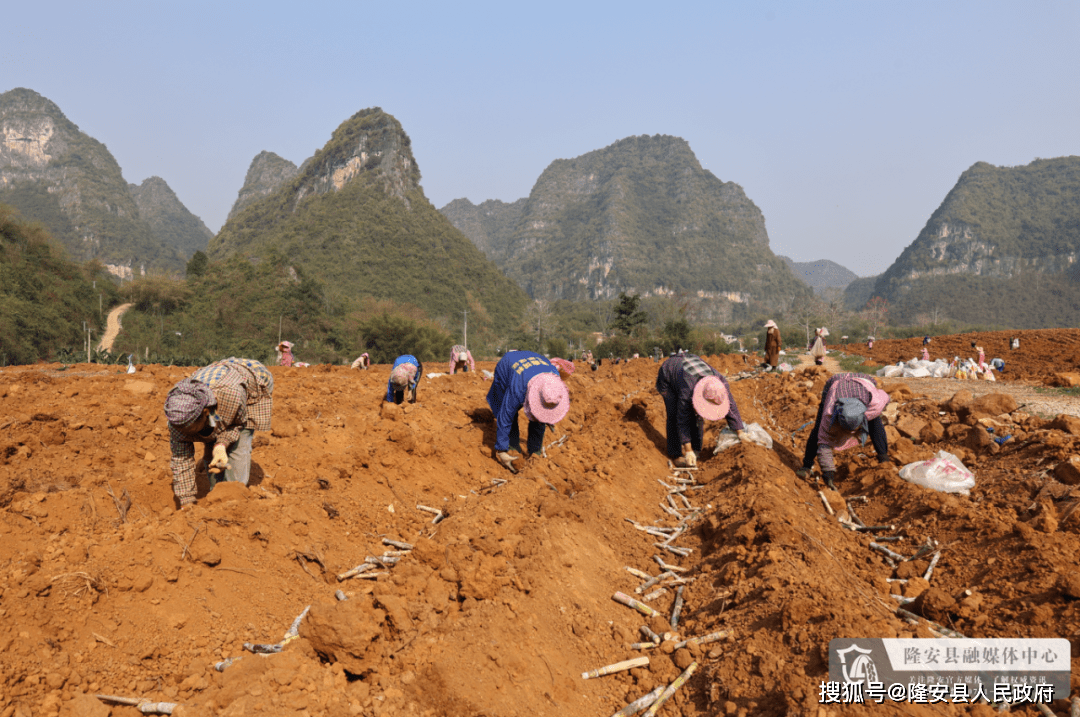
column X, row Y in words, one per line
column 388, row 559
column 850, row 520
column 678, row 507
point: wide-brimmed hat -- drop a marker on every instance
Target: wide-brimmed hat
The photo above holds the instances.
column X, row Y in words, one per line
column 547, row 398
column 563, row 365
column 824, row 332
column 770, row 324
column 711, row 400
column 401, row 375
column 285, row 345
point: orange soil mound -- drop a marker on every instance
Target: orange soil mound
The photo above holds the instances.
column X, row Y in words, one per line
column 1042, row 352
column 502, row 605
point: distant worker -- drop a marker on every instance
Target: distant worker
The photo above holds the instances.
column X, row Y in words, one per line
column 524, row 379
column 772, row 344
column 461, row 360
column 850, row 408
column 220, row 406
column 404, row 379
column 869, row 342
column 694, row 392
column 363, row 363
column 817, row 349
column 284, row 353
column 925, row 353
column 925, row 340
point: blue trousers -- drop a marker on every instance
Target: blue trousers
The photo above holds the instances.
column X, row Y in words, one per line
column 535, row 441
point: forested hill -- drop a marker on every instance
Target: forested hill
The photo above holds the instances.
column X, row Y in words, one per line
column 821, row 274
column 640, row 216
column 168, row 218
column 355, row 218
column 267, row 173
column 1001, row 249
column 59, row 176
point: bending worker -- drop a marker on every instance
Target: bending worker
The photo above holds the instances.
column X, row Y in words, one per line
column 220, row 406
column 461, row 360
column 693, row 393
column 524, row 379
column 850, row 408
column 404, row 379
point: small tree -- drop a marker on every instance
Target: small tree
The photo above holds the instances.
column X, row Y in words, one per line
column 877, row 309
column 198, row 264
column 628, row 315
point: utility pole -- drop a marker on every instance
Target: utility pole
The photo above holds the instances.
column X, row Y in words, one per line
column 466, row 336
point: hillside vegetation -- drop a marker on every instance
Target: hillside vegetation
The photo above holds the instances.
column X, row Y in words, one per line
column 356, row 218
column 44, row 297
column 59, row 176
column 1004, row 243
column 640, row 216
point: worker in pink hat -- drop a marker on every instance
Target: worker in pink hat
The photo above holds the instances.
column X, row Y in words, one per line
column 694, row 392
column 524, row 379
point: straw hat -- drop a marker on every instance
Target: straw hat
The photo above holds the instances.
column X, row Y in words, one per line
column 547, row 398
column 770, row 324
column 711, row 399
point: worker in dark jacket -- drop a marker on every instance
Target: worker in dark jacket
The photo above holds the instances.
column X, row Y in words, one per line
column 694, row 392
column 524, row 379
column 404, row 379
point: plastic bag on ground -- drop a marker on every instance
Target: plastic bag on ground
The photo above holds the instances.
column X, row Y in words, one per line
column 785, row 367
column 944, row 472
column 889, row 371
column 916, row 373
column 726, row 440
column 758, row 435
column 754, row 433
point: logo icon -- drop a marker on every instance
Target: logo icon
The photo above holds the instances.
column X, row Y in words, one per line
column 861, row 667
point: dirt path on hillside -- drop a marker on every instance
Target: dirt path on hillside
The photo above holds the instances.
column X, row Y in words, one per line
column 112, row 327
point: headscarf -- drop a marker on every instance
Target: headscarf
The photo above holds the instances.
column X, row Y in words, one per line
column 186, row 401
column 850, row 413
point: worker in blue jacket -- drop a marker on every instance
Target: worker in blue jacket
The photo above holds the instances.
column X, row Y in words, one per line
column 404, row 378
column 524, row 379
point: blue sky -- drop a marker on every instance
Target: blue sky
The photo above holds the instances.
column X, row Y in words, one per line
column 845, row 122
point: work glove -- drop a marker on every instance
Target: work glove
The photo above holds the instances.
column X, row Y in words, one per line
column 830, row 478
column 744, row 437
column 688, row 460
column 506, row 459
column 220, row 461
column 410, row 395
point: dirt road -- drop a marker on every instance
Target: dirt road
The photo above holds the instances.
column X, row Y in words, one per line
column 112, row 327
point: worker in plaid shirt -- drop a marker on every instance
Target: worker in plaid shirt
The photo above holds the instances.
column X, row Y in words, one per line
column 220, row 406
column 693, row 393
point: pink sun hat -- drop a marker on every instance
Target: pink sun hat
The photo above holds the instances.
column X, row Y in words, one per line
column 711, row 399
column 563, row 365
column 547, row 398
